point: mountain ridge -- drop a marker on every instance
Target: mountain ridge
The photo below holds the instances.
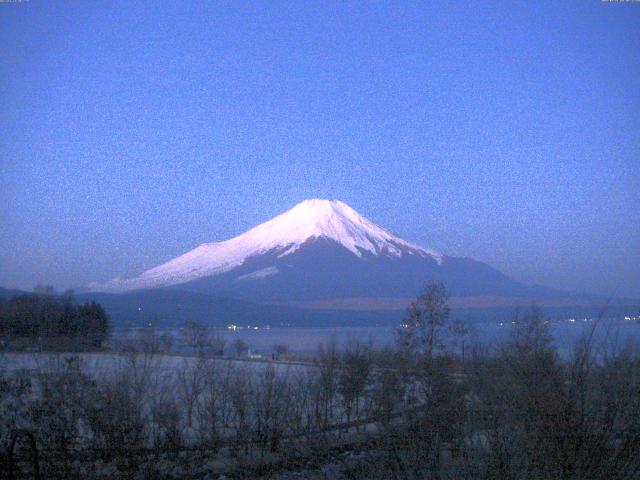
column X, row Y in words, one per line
column 322, row 254
column 282, row 235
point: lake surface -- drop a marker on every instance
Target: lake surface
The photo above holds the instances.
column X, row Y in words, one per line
column 305, row 340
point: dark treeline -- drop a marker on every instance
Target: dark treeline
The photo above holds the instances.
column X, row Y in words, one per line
column 51, row 322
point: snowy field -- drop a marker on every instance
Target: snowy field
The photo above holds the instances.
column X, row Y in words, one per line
column 106, row 365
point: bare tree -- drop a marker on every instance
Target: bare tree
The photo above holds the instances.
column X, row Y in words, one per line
column 196, row 336
column 459, row 331
column 427, row 317
column 328, row 361
column 191, row 376
column 354, row 376
column 241, row 347
column 115, row 414
column 214, row 411
column 165, row 343
column 218, row 344
column 279, row 350
column 147, row 341
column 271, row 406
column 387, row 394
column 241, row 391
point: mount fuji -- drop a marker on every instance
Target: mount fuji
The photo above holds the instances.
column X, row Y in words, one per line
column 322, row 254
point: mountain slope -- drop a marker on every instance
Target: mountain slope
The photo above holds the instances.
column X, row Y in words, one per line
column 320, row 250
column 163, row 307
column 279, row 237
column 323, row 269
column 7, row 293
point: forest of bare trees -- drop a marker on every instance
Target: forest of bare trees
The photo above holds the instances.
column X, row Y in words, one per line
column 427, row 407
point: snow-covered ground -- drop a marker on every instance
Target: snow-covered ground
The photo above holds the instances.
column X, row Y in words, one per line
column 105, row 365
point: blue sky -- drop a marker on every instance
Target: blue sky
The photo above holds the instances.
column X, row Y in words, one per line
column 508, row 132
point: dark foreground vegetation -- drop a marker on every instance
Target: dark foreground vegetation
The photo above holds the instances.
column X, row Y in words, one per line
column 45, row 321
column 433, row 407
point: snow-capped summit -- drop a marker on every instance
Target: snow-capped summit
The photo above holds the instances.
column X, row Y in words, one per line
column 320, row 254
column 329, row 219
column 315, row 219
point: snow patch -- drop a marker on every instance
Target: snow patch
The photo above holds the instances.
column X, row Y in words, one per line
column 258, row 274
